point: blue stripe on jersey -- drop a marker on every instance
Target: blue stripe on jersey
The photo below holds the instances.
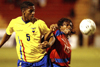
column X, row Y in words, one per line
column 61, row 60
column 20, row 52
column 19, row 40
column 20, row 49
column 58, row 33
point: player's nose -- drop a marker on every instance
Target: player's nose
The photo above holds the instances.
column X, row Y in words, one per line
column 33, row 13
column 70, row 27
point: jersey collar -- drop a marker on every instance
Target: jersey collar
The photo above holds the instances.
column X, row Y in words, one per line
column 25, row 22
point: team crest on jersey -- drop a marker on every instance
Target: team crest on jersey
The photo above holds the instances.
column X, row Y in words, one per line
column 33, row 29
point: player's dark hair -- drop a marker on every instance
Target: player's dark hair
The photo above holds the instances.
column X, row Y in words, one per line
column 62, row 20
column 26, row 4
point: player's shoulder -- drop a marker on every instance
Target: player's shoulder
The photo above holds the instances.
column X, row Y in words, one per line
column 16, row 19
column 40, row 21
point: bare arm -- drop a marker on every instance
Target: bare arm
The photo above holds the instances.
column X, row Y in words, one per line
column 53, row 27
column 51, row 41
column 47, row 44
column 47, row 35
column 4, row 39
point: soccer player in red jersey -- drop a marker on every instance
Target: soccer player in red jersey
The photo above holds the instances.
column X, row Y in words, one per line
column 60, row 52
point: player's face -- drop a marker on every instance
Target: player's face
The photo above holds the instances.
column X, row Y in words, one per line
column 66, row 27
column 29, row 13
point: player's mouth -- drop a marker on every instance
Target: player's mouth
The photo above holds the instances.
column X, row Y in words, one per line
column 67, row 31
column 32, row 17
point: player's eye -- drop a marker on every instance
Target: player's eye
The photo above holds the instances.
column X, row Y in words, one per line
column 31, row 11
column 71, row 25
column 68, row 25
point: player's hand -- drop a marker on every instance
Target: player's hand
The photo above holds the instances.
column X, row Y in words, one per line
column 53, row 27
column 44, row 45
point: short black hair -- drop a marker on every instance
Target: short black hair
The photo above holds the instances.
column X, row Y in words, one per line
column 26, row 4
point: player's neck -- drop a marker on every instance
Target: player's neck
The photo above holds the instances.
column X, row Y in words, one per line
column 66, row 35
column 34, row 20
column 24, row 19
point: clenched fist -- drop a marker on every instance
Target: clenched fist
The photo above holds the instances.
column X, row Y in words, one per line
column 53, row 27
column 44, row 45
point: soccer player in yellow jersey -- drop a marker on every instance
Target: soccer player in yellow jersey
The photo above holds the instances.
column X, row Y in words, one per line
column 29, row 31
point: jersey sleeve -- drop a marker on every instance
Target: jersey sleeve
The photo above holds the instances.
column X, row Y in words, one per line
column 43, row 27
column 9, row 29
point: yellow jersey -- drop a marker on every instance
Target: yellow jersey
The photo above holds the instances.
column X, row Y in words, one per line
column 28, row 37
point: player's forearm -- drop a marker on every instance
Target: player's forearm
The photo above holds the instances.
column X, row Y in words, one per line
column 47, row 35
column 4, row 39
column 51, row 41
column 46, row 44
column 53, row 27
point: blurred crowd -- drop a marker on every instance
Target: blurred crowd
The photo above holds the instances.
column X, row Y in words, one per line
column 81, row 9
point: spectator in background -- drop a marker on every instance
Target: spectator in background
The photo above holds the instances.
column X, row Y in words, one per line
column 42, row 3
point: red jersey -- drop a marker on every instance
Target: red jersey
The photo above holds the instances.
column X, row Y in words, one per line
column 60, row 52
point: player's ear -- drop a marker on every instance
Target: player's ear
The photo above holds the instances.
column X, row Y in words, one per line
column 23, row 11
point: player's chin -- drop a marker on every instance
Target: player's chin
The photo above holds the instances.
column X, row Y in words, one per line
column 67, row 32
column 31, row 18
